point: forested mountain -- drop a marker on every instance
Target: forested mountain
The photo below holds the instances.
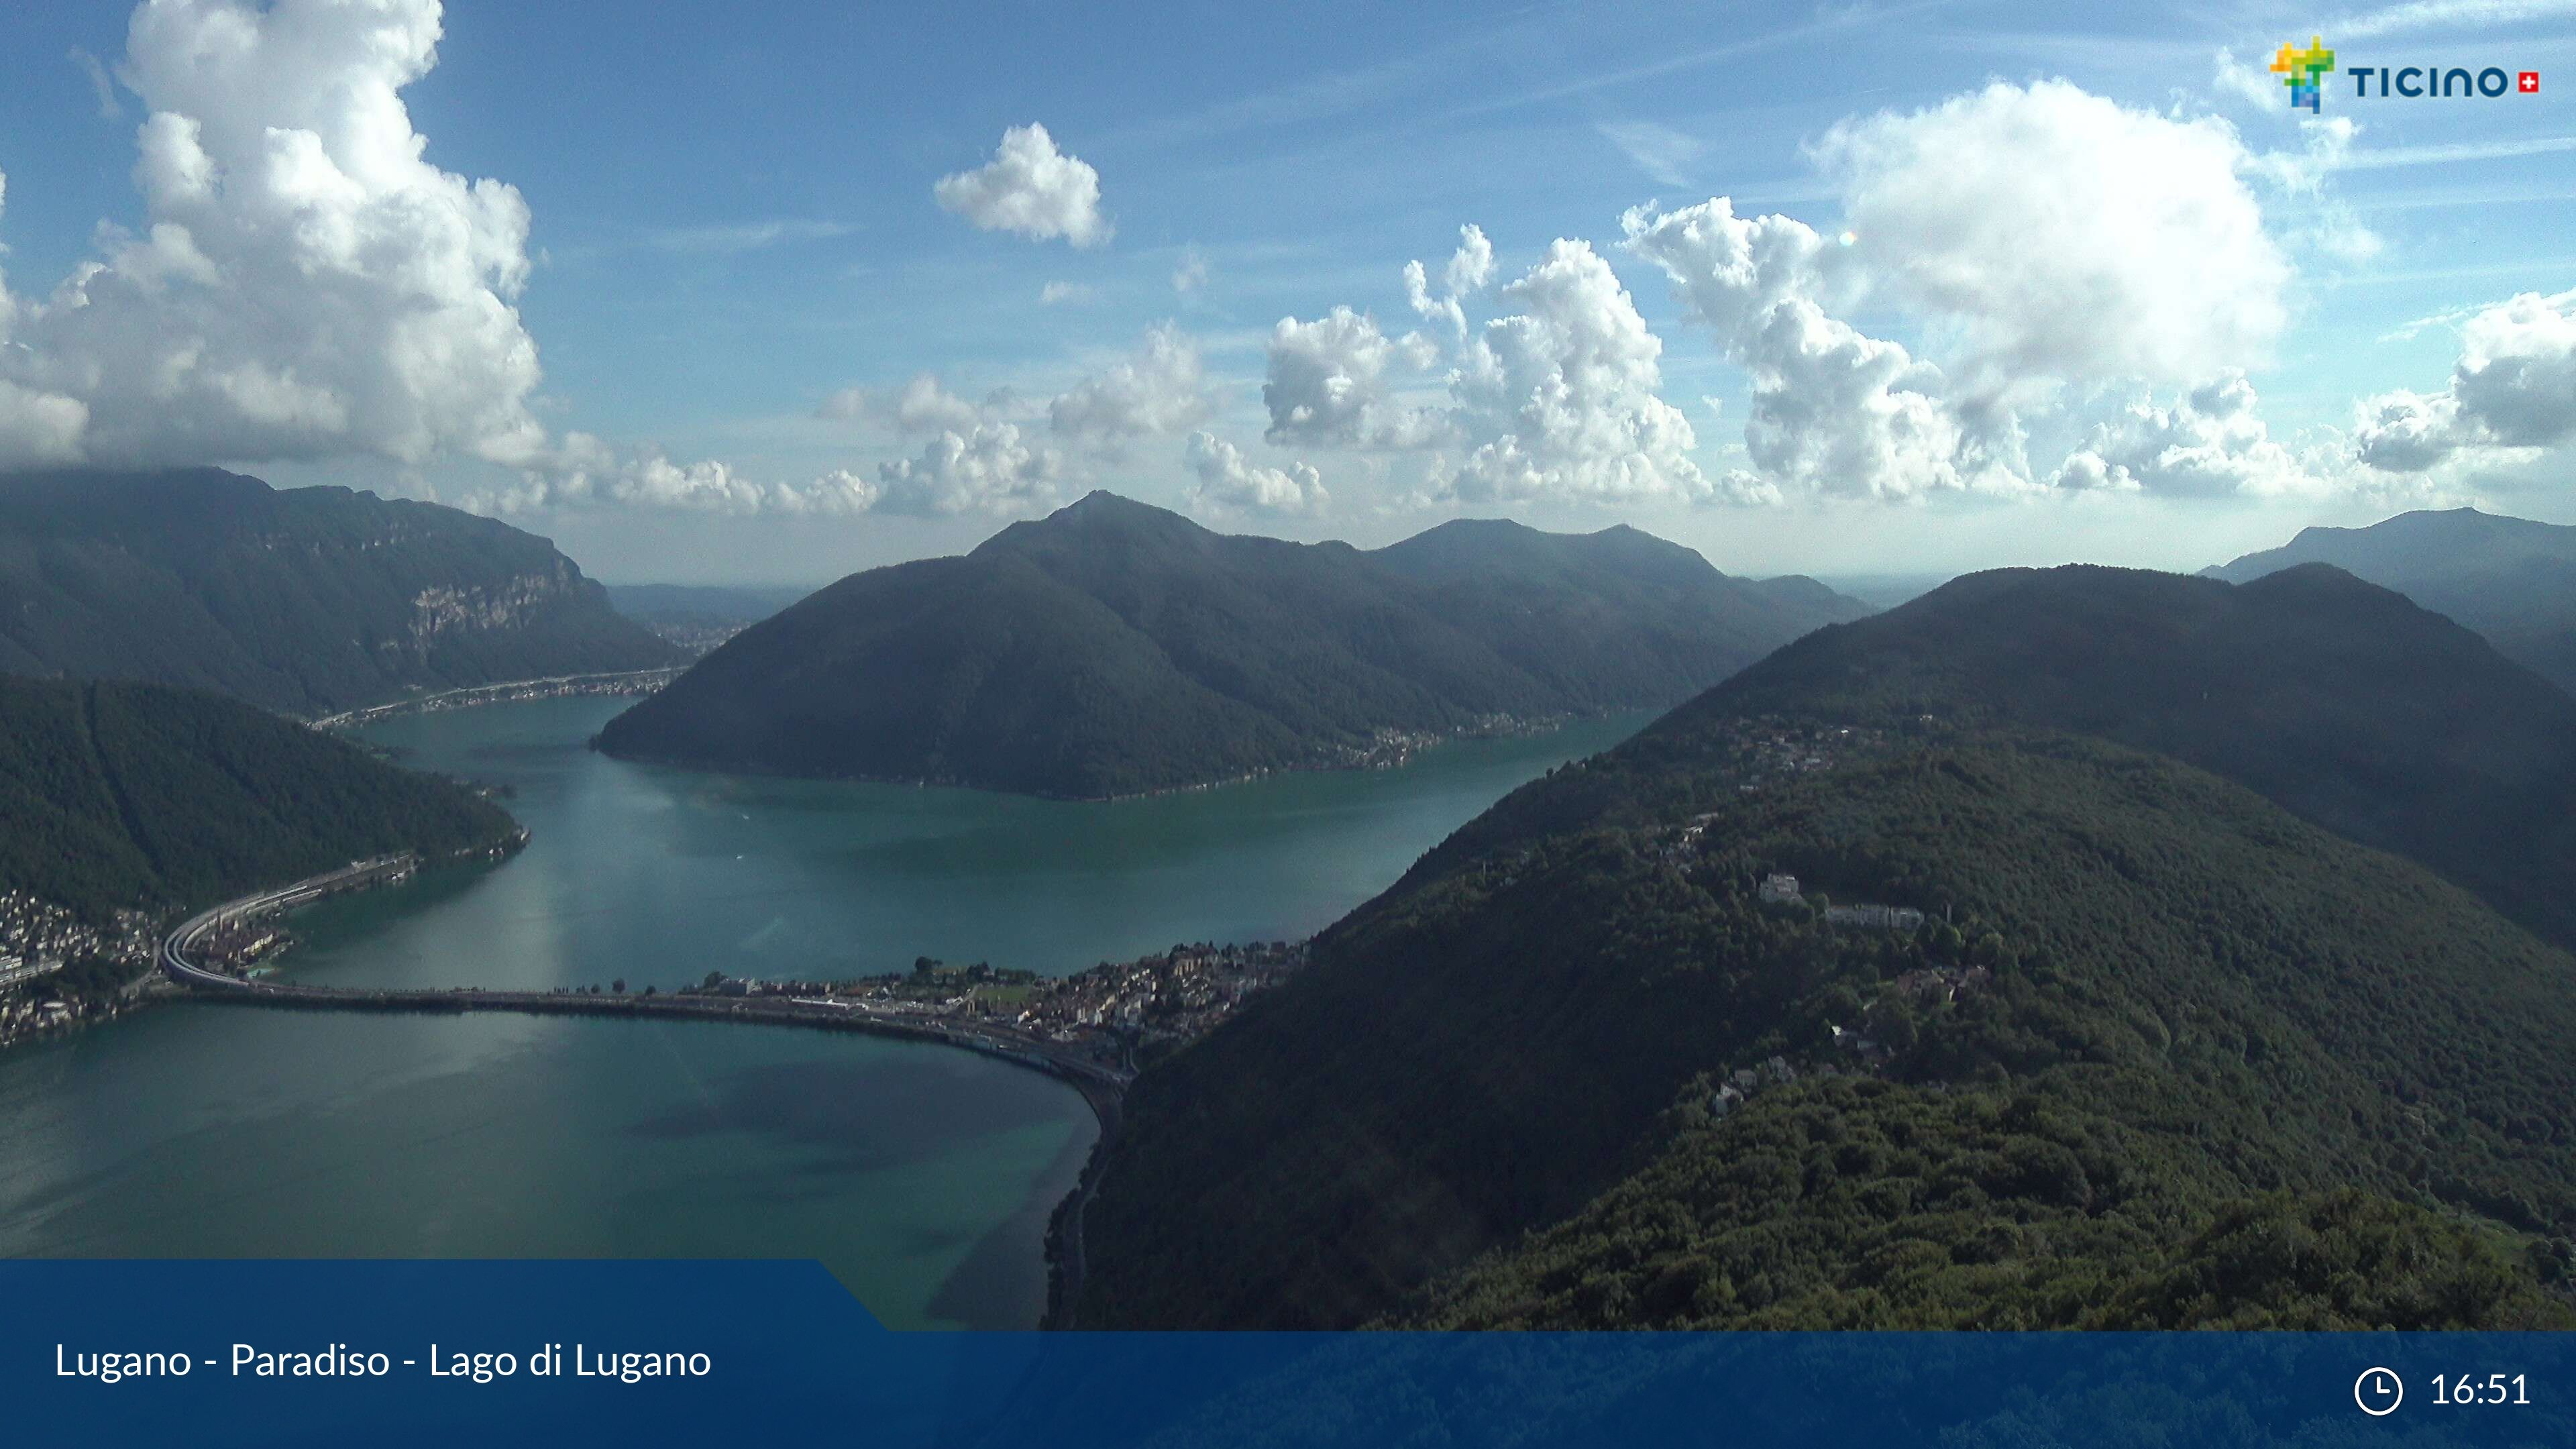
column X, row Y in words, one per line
column 305, row 601
column 1114, row 648
column 2510, row 579
column 133, row 796
column 2338, row 699
column 2160, row 1053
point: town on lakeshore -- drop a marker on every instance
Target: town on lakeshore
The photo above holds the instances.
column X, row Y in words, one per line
column 1119, row 1015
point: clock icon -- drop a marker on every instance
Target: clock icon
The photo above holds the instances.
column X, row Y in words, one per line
column 2378, row 1391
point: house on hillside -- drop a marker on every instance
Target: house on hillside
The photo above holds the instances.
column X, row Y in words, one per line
column 1779, row 889
column 1880, row 918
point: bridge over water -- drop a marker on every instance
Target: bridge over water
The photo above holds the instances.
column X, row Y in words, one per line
column 1102, row 1087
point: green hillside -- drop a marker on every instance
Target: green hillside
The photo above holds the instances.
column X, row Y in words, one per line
column 2338, row 699
column 133, row 796
column 1116, row 648
column 305, row 601
column 2164, row 1053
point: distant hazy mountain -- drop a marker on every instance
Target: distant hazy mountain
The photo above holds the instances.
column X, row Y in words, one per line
column 1114, row 647
column 306, row 600
column 700, row 605
column 695, row 618
column 2163, row 1054
column 135, row 796
column 2508, row 578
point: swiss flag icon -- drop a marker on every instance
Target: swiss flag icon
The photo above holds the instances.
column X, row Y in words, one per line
column 2530, row 83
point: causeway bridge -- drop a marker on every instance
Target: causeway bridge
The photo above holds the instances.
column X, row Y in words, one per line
column 1100, row 1086
column 1103, row 1089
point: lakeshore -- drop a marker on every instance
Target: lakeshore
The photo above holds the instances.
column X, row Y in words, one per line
column 923, row 1176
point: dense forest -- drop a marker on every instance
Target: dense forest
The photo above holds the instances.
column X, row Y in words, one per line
column 1115, row 648
column 305, row 601
column 2160, row 1052
column 2342, row 701
column 2512, row 580
column 131, row 796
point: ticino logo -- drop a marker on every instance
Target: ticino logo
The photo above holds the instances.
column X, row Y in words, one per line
column 2304, row 68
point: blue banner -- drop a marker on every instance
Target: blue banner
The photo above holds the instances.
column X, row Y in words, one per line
column 723, row 1353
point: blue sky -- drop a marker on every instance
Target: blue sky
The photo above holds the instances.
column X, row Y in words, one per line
column 730, row 220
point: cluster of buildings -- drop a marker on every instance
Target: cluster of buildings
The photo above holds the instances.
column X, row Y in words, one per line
column 1735, row 1088
column 25, row 1013
column 1181, row 994
column 1763, row 750
column 34, row 929
column 1766, row 749
column 701, row 637
column 1106, row 1013
column 1391, row 748
column 237, row 944
column 1942, row 985
column 37, row 938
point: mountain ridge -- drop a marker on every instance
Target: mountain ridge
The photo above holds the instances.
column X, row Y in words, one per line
column 2151, row 1020
column 2346, row 702
column 2510, row 579
column 1117, row 648
column 303, row 601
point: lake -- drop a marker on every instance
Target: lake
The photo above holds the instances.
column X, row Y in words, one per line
column 921, row 1176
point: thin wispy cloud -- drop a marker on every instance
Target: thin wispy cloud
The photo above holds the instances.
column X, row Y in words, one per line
column 1664, row 154
column 109, row 108
column 1832, row 22
column 2449, row 15
column 2455, row 316
column 747, row 236
column 2387, row 157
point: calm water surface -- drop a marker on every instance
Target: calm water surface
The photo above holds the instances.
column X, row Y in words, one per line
column 922, row 1176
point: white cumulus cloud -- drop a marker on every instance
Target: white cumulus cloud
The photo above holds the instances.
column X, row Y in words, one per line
column 1031, row 188
column 1834, row 412
column 2208, row 443
column 585, row 471
column 1328, row 384
column 991, row 470
column 1162, row 389
column 1470, row 268
column 1229, row 482
column 922, row 405
column 2070, row 235
column 1558, row 399
column 2060, row 248
column 2513, row 387
column 1561, row 398
column 305, row 284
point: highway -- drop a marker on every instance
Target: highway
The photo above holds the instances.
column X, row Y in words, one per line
column 616, row 682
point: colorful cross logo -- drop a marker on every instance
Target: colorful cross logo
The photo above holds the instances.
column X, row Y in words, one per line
column 2530, row 83
column 2304, row 72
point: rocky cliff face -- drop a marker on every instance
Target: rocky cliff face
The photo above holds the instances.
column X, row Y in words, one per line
column 306, row 601
column 450, row 609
